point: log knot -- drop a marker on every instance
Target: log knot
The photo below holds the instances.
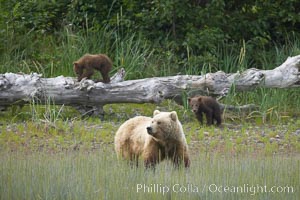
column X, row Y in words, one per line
column 119, row 76
column 4, row 83
column 86, row 85
column 250, row 77
column 216, row 82
column 37, row 93
column 158, row 97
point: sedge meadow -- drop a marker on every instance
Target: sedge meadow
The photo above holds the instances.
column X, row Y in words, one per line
column 53, row 156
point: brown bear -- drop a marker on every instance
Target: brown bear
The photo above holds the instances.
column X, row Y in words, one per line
column 207, row 105
column 153, row 139
column 84, row 67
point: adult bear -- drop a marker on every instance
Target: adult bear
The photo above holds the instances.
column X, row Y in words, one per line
column 153, row 139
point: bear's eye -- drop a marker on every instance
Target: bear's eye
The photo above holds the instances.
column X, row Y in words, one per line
column 158, row 122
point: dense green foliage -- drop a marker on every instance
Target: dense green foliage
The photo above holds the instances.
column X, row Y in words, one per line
column 175, row 36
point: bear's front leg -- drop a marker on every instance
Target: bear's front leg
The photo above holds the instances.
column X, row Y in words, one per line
column 199, row 116
column 187, row 162
column 87, row 74
column 151, row 156
column 209, row 117
column 105, row 76
column 218, row 119
column 177, row 160
column 150, row 162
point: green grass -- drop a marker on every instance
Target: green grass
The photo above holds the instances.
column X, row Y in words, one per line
column 57, row 155
column 99, row 175
column 53, row 54
column 273, row 104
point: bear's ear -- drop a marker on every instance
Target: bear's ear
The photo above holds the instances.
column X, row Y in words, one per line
column 189, row 100
column 173, row 115
column 156, row 112
column 199, row 99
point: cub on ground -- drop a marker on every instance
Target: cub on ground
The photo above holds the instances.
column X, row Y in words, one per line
column 207, row 105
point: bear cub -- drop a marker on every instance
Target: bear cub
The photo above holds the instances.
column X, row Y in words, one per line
column 153, row 139
column 207, row 105
column 84, row 67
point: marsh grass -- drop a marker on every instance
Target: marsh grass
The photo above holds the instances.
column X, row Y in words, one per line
column 53, row 157
column 79, row 175
column 273, row 105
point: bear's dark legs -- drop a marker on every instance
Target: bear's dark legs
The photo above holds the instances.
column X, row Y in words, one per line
column 178, row 160
column 209, row 118
column 187, row 161
column 199, row 117
column 150, row 162
column 218, row 119
column 151, row 157
column 134, row 161
column 105, row 77
column 88, row 73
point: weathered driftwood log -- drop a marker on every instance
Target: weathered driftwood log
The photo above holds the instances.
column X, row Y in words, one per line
column 21, row 88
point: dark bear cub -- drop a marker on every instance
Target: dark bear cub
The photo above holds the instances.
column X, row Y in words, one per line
column 84, row 67
column 207, row 105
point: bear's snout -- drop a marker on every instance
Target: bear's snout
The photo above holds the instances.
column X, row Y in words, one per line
column 149, row 130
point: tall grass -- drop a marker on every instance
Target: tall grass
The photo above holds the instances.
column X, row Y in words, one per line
column 101, row 176
column 273, row 104
column 271, row 59
column 53, row 54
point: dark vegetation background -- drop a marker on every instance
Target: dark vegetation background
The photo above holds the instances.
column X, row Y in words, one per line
column 150, row 38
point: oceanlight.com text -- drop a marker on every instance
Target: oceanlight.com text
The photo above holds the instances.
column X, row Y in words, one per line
column 212, row 188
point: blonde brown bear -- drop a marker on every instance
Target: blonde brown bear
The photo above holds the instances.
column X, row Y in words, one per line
column 153, row 139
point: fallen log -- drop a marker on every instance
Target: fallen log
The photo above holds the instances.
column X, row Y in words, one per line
column 20, row 89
